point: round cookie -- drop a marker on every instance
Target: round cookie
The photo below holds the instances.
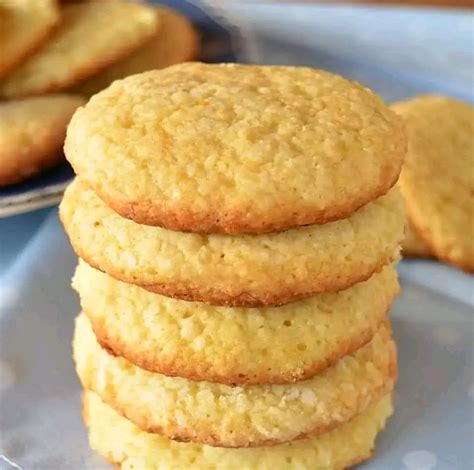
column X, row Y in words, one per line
column 233, row 346
column 413, row 246
column 32, row 134
column 236, row 148
column 437, row 180
column 125, row 445
column 247, row 270
column 176, row 41
column 224, row 416
column 24, row 26
column 90, row 37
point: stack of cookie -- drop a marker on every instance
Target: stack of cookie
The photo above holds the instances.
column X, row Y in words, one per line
column 76, row 49
column 237, row 232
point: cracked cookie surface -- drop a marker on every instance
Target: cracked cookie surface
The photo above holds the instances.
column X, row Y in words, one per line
column 236, row 148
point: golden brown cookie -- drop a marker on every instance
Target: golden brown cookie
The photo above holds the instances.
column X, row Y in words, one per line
column 127, row 446
column 32, row 133
column 246, row 270
column 176, row 41
column 24, row 26
column 233, row 346
column 236, row 148
column 90, row 37
column 219, row 415
column 437, row 180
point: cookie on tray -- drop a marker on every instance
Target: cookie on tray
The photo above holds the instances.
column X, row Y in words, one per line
column 233, row 346
column 90, row 37
column 219, row 415
column 32, row 134
column 125, row 445
column 245, row 270
column 176, row 41
column 437, row 180
column 236, row 148
column 24, row 26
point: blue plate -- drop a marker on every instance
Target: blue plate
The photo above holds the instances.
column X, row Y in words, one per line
column 221, row 42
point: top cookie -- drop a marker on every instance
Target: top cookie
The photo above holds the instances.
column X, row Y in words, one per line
column 24, row 25
column 236, row 148
column 90, row 37
column 437, row 179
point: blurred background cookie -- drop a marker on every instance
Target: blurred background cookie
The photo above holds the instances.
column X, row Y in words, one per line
column 24, row 25
column 32, row 133
column 175, row 41
column 413, row 245
column 90, row 37
column 80, row 47
column 437, row 180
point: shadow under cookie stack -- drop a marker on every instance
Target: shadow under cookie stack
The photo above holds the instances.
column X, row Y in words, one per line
column 237, row 230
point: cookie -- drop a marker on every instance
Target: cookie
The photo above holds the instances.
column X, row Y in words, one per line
column 236, row 148
column 437, row 180
column 248, row 270
column 125, row 445
column 176, row 41
column 24, row 26
column 233, row 346
column 413, row 246
column 224, row 416
column 90, row 37
column 32, row 134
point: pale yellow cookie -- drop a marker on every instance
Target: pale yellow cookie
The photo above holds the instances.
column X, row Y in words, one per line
column 437, row 180
column 24, row 26
column 125, row 445
column 249, row 270
column 32, row 133
column 220, row 415
column 90, row 37
column 176, row 41
column 413, row 246
column 236, row 148
column 234, row 346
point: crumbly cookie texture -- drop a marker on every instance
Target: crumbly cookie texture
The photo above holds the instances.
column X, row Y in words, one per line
column 175, row 41
column 236, row 148
column 437, row 180
column 233, row 346
column 249, row 270
column 225, row 416
column 24, row 26
column 32, row 133
column 124, row 444
column 89, row 37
